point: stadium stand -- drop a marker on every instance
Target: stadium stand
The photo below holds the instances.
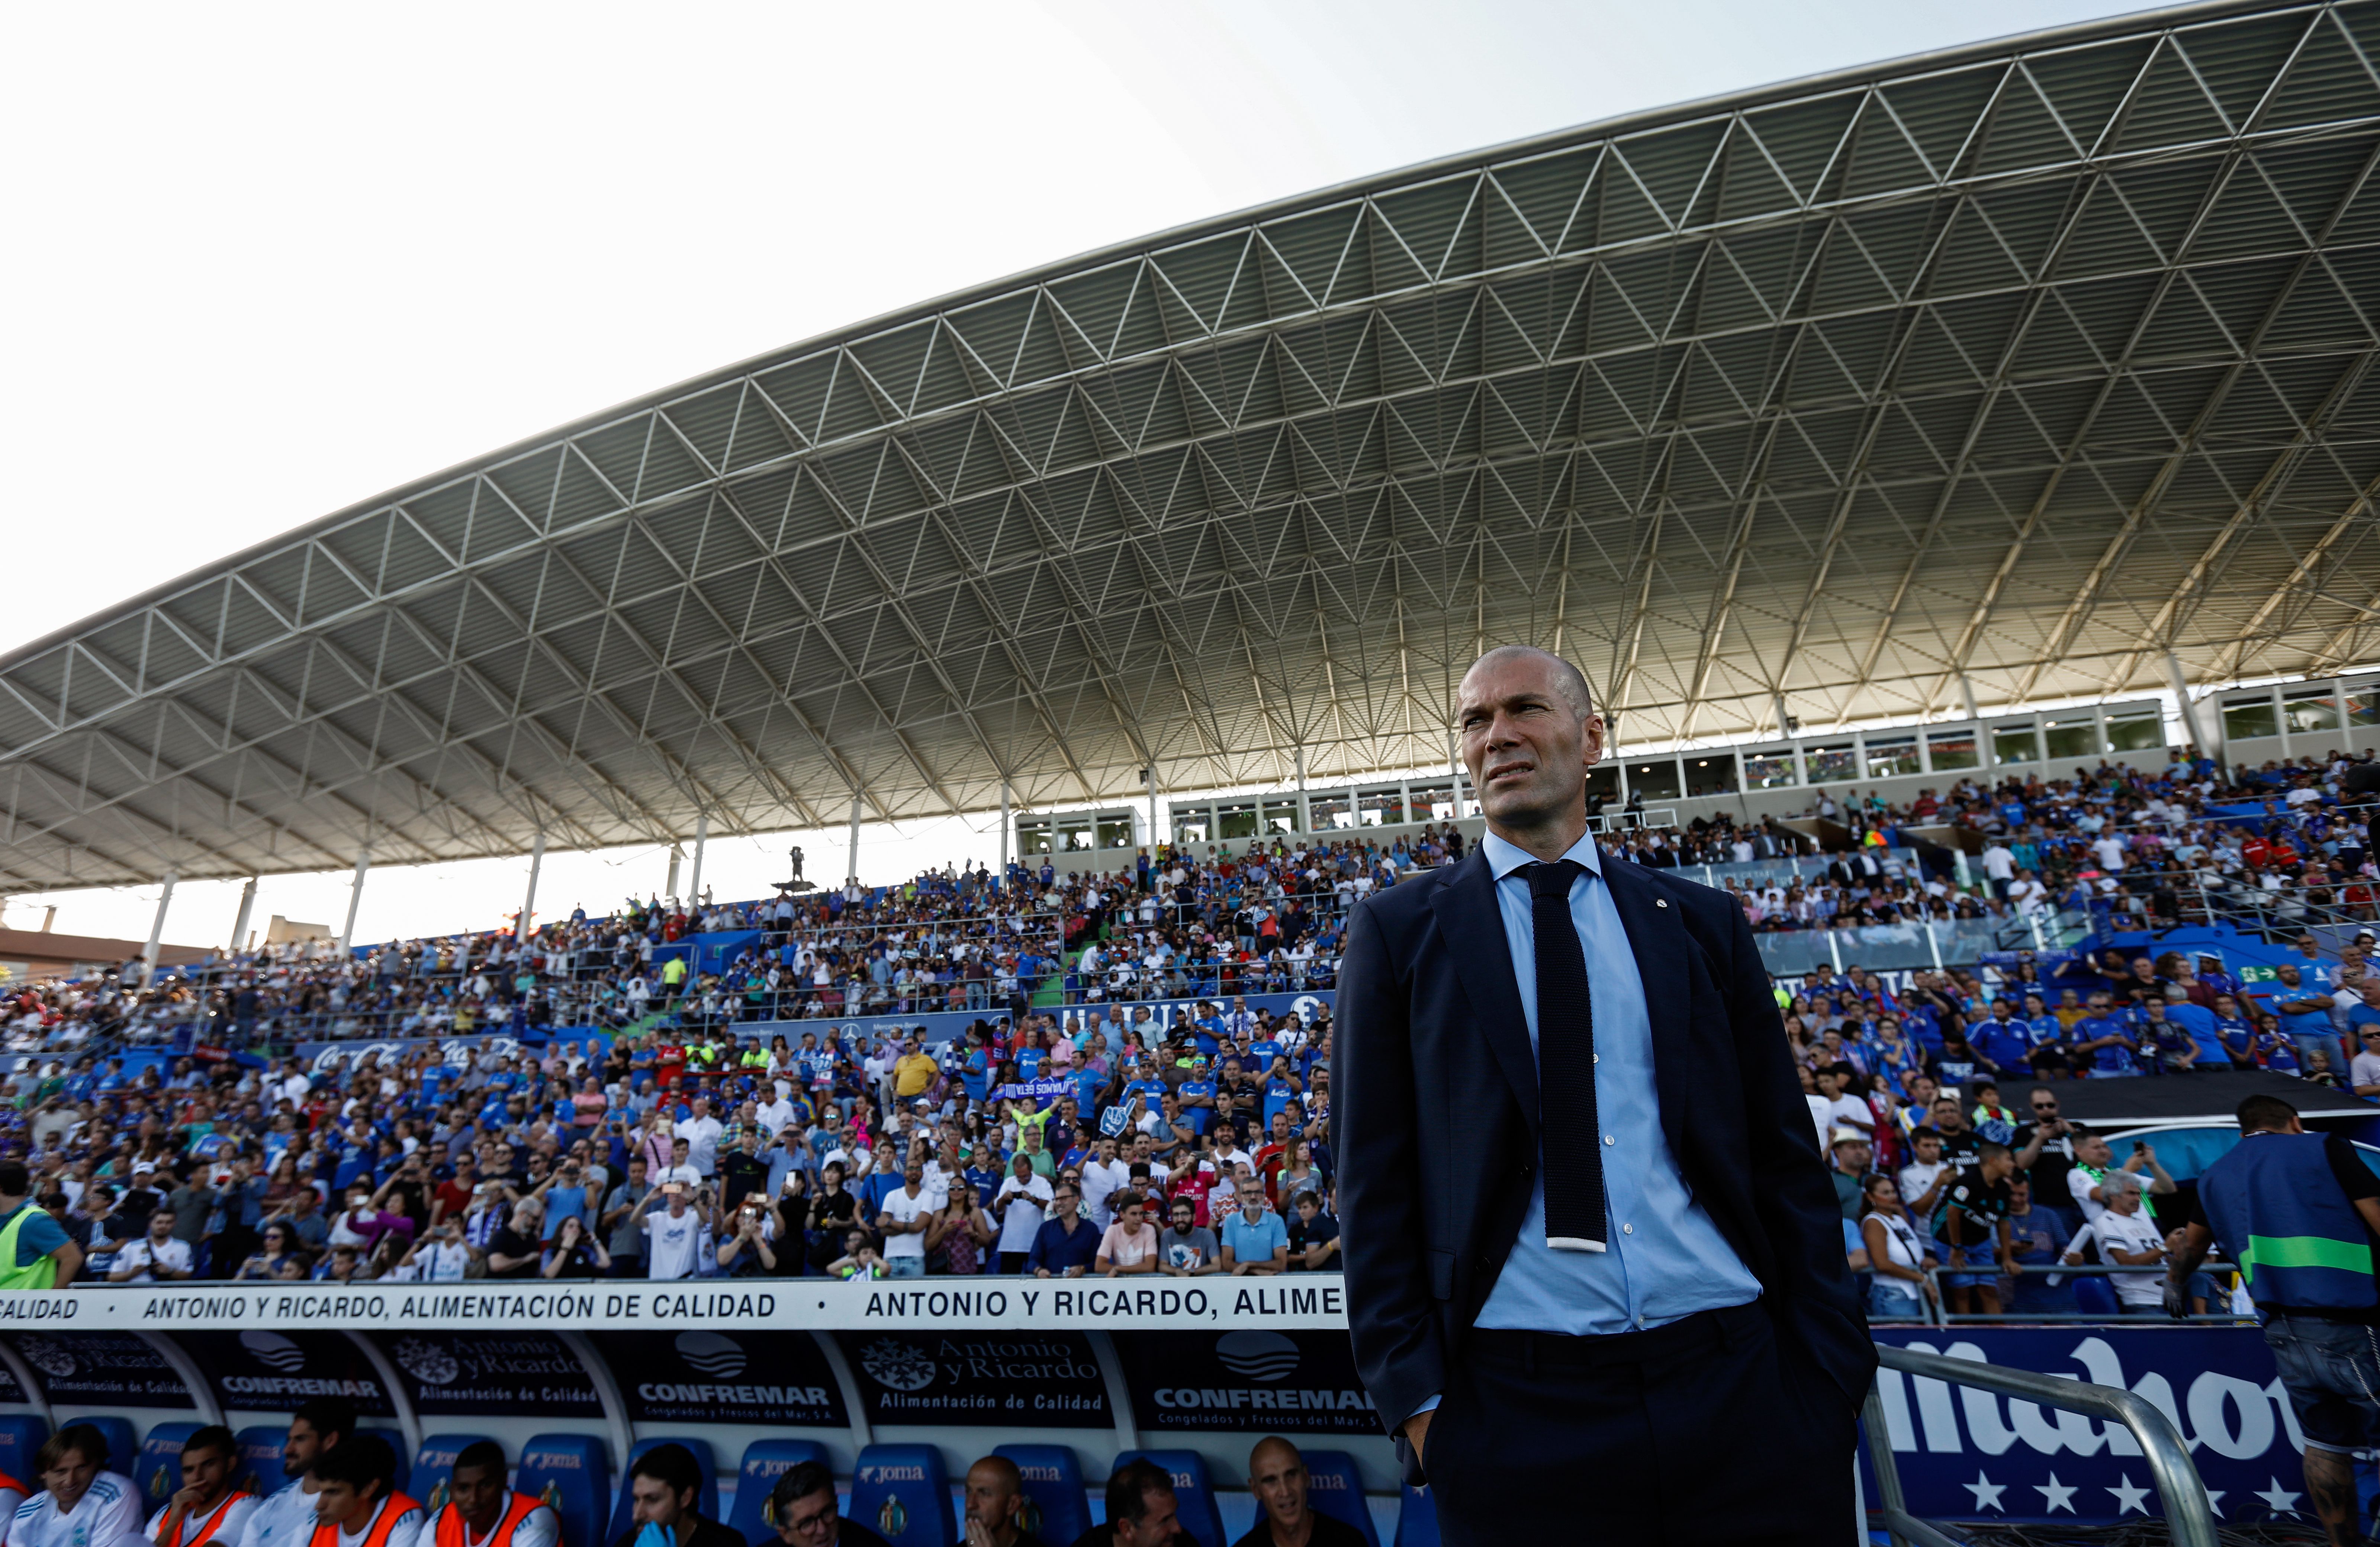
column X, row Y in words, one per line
column 498, row 1088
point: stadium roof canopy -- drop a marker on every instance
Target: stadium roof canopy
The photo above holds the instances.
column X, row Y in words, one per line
column 2018, row 370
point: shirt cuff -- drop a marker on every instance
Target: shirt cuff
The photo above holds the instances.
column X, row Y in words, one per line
column 1431, row 1405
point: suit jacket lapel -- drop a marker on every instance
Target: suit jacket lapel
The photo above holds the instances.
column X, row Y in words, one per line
column 1473, row 927
column 1657, row 937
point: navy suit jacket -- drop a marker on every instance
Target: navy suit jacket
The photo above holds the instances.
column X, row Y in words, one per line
column 1436, row 1117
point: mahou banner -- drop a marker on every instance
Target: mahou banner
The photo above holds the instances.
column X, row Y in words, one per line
column 1964, row 1453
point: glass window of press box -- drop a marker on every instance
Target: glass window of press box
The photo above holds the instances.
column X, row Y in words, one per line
column 1075, row 835
column 2308, row 709
column 2247, row 717
column 1653, row 779
column 1889, row 757
column 1235, row 820
column 1115, row 832
column 2361, row 699
column 2074, row 734
column 2138, row 729
column 1830, row 764
column 1433, row 802
column 1033, row 837
column 1381, row 807
column 1772, row 769
column 1951, row 750
column 2018, row 742
column 1330, row 811
column 1194, row 825
column 1281, row 813
column 1602, row 783
column 1709, row 774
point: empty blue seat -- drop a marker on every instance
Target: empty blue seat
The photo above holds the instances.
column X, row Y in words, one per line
column 158, row 1469
column 1193, row 1494
column 764, row 1462
column 20, row 1435
column 901, row 1493
column 623, row 1508
column 260, row 1446
column 400, row 1452
column 123, row 1450
column 1055, row 1509
column 433, row 1467
column 572, row 1473
column 1334, row 1488
column 1418, row 1519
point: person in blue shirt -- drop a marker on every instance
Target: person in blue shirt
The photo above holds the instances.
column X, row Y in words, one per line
column 2198, row 1023
column 1067, row 1243
column 1197, row 1095
column 2304, row 1012
column 2234, row 1033
column 2003, row 1042
column 2108, row 1039
column 1255, row 1241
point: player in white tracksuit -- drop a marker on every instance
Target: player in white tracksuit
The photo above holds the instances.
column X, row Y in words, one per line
column 81, row 1502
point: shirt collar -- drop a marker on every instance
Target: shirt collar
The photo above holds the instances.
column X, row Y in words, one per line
column 1504, row 858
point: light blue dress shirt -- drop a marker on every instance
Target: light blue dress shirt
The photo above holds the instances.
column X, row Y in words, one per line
column 1665, row 1258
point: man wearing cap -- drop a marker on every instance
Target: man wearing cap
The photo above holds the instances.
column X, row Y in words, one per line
column 1587, row 1224
column 1852, row 1153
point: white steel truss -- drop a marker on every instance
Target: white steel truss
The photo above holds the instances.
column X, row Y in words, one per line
column 2019, row 367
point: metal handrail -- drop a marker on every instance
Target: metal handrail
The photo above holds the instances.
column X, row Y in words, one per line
column 2189, row 1520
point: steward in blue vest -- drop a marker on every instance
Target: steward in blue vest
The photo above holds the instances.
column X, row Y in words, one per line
column 2299, row 1213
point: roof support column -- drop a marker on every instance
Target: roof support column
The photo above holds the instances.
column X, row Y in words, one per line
column 701, row 836
column 354, row 898
column 1004, row 835
column 528, row 901
column 247, row 912
column 1148, row 777
column 157, row 931
column 1967, row 696
column 851, row 877
column 669, row 889
column 1305, row 817
column 2191, row 725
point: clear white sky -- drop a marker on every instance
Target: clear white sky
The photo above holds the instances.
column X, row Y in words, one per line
column 266, row 262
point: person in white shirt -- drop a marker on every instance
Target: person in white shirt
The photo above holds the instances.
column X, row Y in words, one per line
column 355, row 1495
column 206, row 1508
column 1021, row 1203
column 701, row 1133
column 902, row 1220
column 2126, row 1240
column 774, row 1115
column 81, row 1502
column 1921, row 1181
column 673, row 1234
column 1103, row 1177
column 153, row 1256
column 286, row 1517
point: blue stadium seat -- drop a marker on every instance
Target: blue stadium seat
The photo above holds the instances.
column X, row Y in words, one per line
column 433, row 1467
column 1192, row 1492
column 1055, row 1509
column 259, row 1457
column 1418, row 1519
column 572, row 1474
column 1334, row 1488
column 123, row 1450
column 2094, row 1295
column 159, row 1470
column 623, row 1510
column 901, row 1493
column 764, row 1462
column 401, row 1450
column 20, row 1435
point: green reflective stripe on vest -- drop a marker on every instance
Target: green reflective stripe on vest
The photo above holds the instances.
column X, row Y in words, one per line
column 39, row 1273
column 2303, row 1251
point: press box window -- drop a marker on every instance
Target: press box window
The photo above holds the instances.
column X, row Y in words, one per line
column 1074, row 837
column 1193, row 824
column 1115, row 832
column 1033, row 837
column 1891, row 756
column 1280, row 816
column 1831, row 765
column 1714, row 774
column 1330, row 811
column 2246, row 719
column 2015, row 744
column 1951, row 750
column 1767, row 770
column 2309, row 711
column 1235, row 818
column 1602, row 782
column 2071, row 735
column 1433, row 802
column 1654, row 780
column 2136, row 731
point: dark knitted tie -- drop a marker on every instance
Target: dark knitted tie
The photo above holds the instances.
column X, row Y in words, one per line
column 1573, row 1135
